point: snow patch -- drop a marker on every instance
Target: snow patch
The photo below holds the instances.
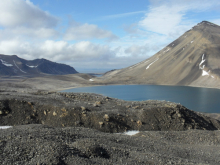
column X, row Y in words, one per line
column 131, row 133
column 166, row 50
column 211, row 24
column 91, row 79
column 19, row 68
column 5, row 63
column 151, row 63
column 32, row 66
column 146, row 61
column 192, row 42
column 5, row 127
column 203, row 60
column 204, row 73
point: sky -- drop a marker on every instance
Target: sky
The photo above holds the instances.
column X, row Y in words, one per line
column 97, row 35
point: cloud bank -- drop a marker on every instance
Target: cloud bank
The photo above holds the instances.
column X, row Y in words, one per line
column 77, row 31
column 171, row 17
column 24, row 13
column 30, row 32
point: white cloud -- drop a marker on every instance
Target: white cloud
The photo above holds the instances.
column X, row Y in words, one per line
column 24, row 13
column 166, row 20
column 24, row 28
column 137, row 50
column 55, row 50
column 121, row 15
column 141, row 45
column 77, row 31
column 17, row 47
column 198, row 5
column 170, row 17
column 162, row 19
column 61, row 50
column 83, row 54
column 113, row 62
column 25, row 32
column 29, row 32
column 216, row 21
column 22, row 19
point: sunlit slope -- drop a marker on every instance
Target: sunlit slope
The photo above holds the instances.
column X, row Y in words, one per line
column 192, row 59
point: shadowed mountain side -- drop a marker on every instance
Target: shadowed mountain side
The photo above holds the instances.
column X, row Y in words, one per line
column 15, row 66
column 193, row 59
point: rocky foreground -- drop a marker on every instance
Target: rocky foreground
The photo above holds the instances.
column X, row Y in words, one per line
column 43, row 145
column 69, row 128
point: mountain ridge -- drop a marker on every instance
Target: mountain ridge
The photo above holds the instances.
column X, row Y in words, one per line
column 16, row 66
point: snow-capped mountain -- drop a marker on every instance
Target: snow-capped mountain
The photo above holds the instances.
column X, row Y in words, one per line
column 15, row 66
column 193, row 59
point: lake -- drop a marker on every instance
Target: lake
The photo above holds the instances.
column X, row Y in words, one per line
column 197, row 99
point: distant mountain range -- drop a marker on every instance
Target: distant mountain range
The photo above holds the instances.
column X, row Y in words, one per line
column 15, row 66
column 193, row 60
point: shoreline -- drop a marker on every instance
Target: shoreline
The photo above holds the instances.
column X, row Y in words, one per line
column 81, row 128
column 213, row 115
column 60, row 89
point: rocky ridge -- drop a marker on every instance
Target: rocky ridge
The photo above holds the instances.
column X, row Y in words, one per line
column 15, row 66
column 62, row 128
column 99, row 112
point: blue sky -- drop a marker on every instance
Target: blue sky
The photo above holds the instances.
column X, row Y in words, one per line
column 97, row 34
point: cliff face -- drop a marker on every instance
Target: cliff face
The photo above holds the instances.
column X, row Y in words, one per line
column 192, row 59
column 15, row 66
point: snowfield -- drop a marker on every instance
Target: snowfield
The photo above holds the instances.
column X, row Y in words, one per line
column 32, row 66
column 151, row 63
column 204, row 73
column 5, row 63
column 5, row 127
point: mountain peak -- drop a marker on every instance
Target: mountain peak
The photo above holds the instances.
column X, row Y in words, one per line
column 192, row 59
column 206, row 23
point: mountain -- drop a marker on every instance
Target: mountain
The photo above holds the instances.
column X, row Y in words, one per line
column 193, row 59
column 15, row 66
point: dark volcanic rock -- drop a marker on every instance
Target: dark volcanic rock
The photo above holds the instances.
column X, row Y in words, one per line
column 66, row 141
column 108, row 114
column 42, row 145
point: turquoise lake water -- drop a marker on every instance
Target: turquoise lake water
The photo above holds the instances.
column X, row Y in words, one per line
column 197, row 99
